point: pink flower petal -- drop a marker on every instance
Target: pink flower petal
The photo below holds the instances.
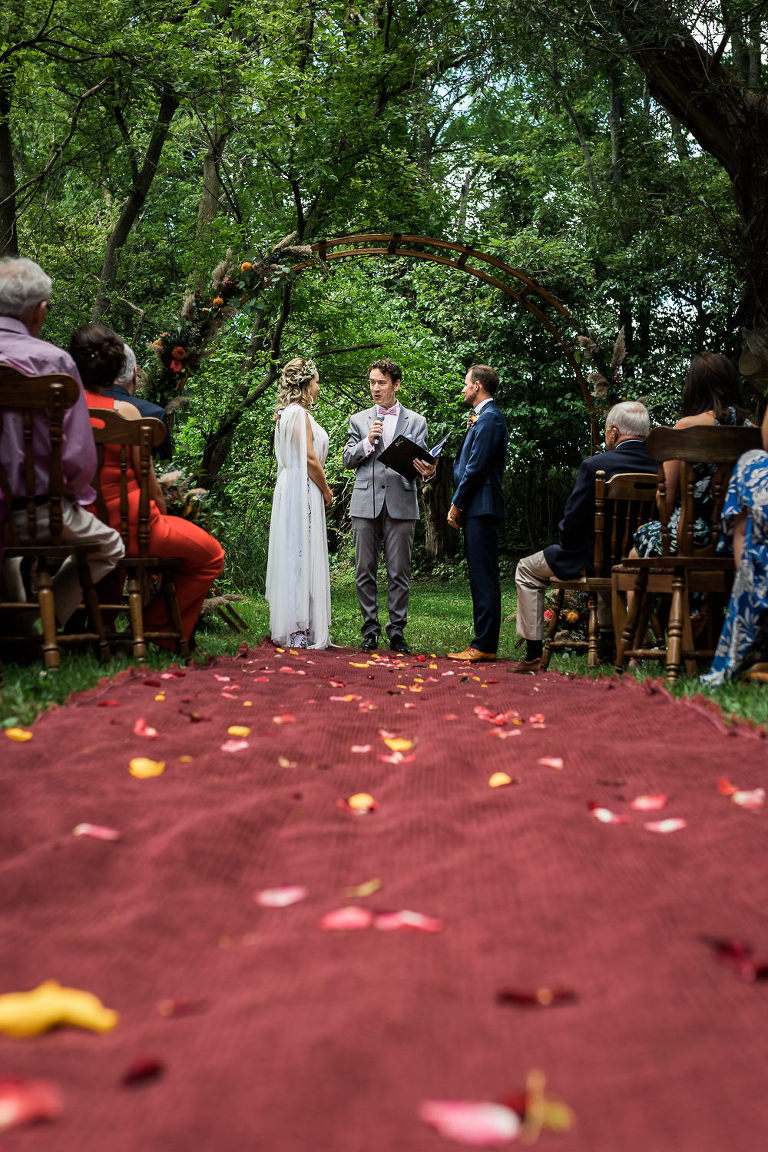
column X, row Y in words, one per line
column 361, row 748
column 752, row 798
column 97, row 831
column 284, row 718
column 392, row 921
column 347, row 919
column 234, row 745
column 22, row 1101
column 280, row 897
column 476, row 1123
column 555, row 762
column 650, row 803
column 673, row 824
column 141, row 728
column 605, row 816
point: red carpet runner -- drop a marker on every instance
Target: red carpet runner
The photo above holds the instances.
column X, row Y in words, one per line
column 266, row 1031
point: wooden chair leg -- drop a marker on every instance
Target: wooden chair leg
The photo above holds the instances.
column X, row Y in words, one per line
column 619, row 620
column 675, row 628
column 593, row 655
column 91, row 600
column 546, row 655
column 635, row 601
column 136, row 612
column 46, row 602
column 171, row 599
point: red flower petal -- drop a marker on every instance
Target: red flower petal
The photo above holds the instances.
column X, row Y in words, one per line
column 725, row 787
column 348, row 919
column 393, row 921
column 22, row 1101
column 536, row 997
column 181, row 1007
column 141, row 1069
column 476, row 1123
column 284, row 718
column 108, row 704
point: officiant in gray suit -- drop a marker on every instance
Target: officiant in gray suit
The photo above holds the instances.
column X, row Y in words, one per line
column 385, row 506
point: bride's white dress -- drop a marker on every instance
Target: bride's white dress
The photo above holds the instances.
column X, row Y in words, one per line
column 298, row 580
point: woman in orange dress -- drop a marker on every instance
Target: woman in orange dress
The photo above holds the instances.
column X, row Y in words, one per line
column 100, row 354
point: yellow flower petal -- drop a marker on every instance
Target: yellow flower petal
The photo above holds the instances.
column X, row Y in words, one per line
column 499, row 779
column 143, row 768
column 361, row 801
column 238, row 730
column 20, row 735
column 397, row 744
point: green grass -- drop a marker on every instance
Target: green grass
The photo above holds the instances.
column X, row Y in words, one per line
column 439, row 621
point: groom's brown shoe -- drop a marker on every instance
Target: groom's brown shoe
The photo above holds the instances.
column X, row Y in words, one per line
column 525, row 665
column 471, row 655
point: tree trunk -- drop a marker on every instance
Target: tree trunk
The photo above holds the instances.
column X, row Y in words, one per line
column 8, row 238
column 135, row 200
column 437, row 501
column 729, row 121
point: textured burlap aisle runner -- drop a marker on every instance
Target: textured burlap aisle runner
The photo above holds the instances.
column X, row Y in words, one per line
column 244, row 1026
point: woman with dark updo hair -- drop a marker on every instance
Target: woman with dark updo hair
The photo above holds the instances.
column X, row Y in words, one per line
column 711, row 396
column 100, row 357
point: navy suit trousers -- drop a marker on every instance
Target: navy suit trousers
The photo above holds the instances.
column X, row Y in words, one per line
column 481, row 541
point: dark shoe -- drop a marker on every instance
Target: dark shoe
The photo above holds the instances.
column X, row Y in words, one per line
column 524, row 666
column 398, row 644
column 369, row 644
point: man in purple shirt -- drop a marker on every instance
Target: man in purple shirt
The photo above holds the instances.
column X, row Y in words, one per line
column 24, row 293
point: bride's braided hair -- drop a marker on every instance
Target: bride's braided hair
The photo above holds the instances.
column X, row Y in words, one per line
column 297, row 375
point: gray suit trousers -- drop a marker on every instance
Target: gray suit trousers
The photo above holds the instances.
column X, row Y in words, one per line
column 397, row 538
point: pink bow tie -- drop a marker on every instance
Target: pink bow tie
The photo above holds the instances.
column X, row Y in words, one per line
column 386, row 411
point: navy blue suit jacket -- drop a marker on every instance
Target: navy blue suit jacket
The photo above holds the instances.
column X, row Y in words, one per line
column 478, row 472
column 576, row 531
column 164, row 450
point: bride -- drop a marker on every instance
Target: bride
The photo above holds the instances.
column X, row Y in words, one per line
column 298, row 581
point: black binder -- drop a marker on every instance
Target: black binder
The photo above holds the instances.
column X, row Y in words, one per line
column 402, row 452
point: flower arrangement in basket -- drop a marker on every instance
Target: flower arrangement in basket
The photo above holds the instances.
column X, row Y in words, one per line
column 574, row 616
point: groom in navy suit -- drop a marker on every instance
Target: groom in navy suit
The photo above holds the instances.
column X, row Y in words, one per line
column 478, row 506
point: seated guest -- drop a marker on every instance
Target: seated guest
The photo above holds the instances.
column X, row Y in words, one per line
column 100, row 354
column 626, row 429
column 24, row 294
column 711, row 397
column 124, row 388
column 744, row 639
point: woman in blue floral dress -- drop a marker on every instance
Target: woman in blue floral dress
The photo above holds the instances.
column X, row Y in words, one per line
column 711, row 395
column 745, row 532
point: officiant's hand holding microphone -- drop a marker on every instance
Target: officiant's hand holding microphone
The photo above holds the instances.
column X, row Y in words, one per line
column 377, row 427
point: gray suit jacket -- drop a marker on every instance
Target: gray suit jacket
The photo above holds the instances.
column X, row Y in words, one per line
column 374, row 482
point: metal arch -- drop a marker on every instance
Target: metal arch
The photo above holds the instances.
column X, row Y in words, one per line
column 392, row 244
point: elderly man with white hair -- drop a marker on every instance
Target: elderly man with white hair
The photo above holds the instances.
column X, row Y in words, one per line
column 24, row 294
column 626, row 429
column 124, row 388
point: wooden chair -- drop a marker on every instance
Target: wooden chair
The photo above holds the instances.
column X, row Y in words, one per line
column 109, row 428
column 40, row 544
column 621, row 503
column 691, row 568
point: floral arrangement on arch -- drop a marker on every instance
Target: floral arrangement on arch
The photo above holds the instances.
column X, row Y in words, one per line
column 233, row 289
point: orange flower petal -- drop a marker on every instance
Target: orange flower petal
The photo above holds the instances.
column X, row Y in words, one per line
column 20, row 735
